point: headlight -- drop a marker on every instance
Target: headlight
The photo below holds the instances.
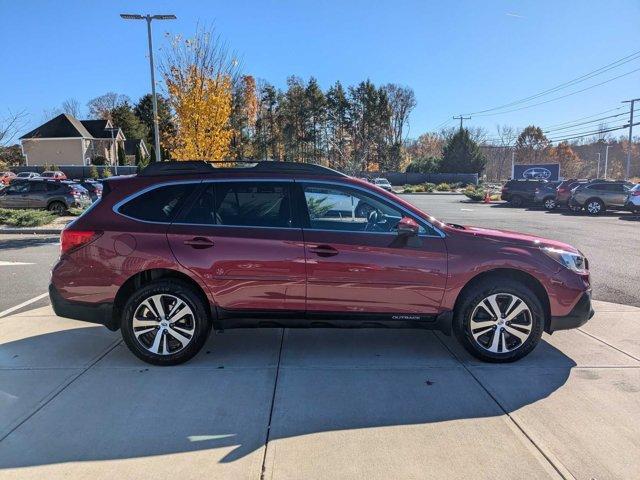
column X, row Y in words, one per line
column 572, row 261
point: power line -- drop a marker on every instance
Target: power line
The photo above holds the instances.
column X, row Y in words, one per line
column 584, row 118
column 570, row 127
column 594, row 132
column 580, row 79
column 560, row 97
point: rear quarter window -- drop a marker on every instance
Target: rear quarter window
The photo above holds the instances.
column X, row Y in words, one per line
column 158, row 205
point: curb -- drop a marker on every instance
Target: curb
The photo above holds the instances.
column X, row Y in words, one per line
column 429, row 193
column 31, row 231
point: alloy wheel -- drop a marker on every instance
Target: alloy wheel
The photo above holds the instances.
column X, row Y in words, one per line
column 594, row 207
column 549, row 204
column 501, row 323
column 163, row 324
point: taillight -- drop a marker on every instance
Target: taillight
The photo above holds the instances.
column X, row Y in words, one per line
column 73, row 239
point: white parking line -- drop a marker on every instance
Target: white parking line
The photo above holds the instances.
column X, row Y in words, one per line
column 10, row 264
column 6, row 312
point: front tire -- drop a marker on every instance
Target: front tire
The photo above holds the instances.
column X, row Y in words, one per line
column 165, row 323
column 58, row 208
column 594, row 206
column 550, row 203
column 499, row 321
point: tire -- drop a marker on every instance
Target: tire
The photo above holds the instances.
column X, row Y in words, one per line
column 594, row 206
column 58, row 208
column 516, row 201
column 550, row 203
column 497, row 340
column 164, row 342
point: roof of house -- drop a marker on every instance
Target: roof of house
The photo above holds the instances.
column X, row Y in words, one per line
column 97, row 128
column 130, row 146
column 59, row 127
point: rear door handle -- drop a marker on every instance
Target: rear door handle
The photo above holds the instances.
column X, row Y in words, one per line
column 323, row 250
column 199, row 243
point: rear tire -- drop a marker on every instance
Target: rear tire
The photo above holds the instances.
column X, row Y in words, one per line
column 485, row 324
column 594, row 206
column 165, row 322
column 550, row 203
column 58, row 208
column 516, row 201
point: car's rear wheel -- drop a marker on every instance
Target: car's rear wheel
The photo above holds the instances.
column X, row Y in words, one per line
column 550, row 203
column 594, row 206
column 516, row 201
column 165, row 323
column 502, row 322
column 57, row 207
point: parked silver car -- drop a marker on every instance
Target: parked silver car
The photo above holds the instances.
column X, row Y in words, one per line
column 55, row 196
column 599, row 195
column 633, row 199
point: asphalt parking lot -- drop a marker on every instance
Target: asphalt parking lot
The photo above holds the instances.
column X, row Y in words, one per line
column 293, row 404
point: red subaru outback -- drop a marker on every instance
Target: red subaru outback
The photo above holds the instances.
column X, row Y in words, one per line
column 184, row 246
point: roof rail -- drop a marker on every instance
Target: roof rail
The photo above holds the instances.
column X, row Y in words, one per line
column 198, row 166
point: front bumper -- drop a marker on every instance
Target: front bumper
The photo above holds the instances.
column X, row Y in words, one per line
column 578, row 316
column 100, row 313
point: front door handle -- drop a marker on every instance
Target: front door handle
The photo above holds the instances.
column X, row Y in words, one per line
column 199, row 243
column 323, row 250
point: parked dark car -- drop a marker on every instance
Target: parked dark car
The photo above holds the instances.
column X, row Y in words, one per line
column 520, row 192
column 545, row 195
column 94, row 188
column 599, row 195
column 55, row 196
column 53, row 175
column 183, row 247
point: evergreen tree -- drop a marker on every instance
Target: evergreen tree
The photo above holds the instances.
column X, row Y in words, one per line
column 462, row 155
column 124, row 117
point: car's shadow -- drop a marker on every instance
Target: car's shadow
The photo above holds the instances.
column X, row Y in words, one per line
column 130, row 410
column 29, row 241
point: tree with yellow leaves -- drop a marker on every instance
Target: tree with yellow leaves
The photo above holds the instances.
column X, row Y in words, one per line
column 199, row 73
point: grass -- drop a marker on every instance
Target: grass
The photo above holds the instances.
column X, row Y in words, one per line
column 25, row 218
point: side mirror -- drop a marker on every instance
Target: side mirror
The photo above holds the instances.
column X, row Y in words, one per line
column 408, row 226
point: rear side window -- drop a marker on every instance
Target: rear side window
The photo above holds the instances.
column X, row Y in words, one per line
column 255, row 204
column 157, row 205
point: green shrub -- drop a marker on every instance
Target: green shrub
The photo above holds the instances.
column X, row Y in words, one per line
column 106, row 173
column 429, row 187
column 408, row 189
column 473, row 194
column 26, row 218
column 93, row 172
column 76, row 212
column 443, row 187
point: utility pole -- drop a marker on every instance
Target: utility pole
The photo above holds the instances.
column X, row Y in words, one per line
column 461, row 118
column 513, row 162
column 149, row 18
column 632, row 102
column 598, row 172
column 606, row 161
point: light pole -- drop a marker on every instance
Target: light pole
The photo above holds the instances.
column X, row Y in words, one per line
column 606, row 161
column 114, row 147
column 149, row 18
column 598, row 172
column 632, row 102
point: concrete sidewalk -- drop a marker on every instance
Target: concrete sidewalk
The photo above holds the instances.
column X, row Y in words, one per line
column 74, row 403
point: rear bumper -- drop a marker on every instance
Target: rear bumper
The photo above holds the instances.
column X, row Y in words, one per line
column 578, row 316
column 100, row 313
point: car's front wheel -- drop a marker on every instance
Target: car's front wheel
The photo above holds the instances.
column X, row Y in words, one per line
column 165, row 323
column 594, row 206
column 502, row 322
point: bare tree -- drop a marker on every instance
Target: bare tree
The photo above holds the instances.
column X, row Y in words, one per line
column 71, row 106
column 102, row 106
column 10, row 125
column 49, row 113
column 402, row 101
column 507, row 136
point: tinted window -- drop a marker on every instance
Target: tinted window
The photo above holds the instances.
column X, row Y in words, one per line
column 18, row 187
column 252, row 204
column 157, row 205
column 38, row 187
column 347, row 209
column 202, row 211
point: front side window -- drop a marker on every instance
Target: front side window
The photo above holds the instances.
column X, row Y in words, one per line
column 244, row 204
column 342, row 208
column 16, row 188
column 157, row 205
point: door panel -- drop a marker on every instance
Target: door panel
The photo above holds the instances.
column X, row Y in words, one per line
column 256, row 268
column 17, row 196
column 357, row 262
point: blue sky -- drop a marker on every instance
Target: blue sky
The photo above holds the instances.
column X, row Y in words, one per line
column 458, row 56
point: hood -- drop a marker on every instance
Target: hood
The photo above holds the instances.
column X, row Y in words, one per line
column 514, row 238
